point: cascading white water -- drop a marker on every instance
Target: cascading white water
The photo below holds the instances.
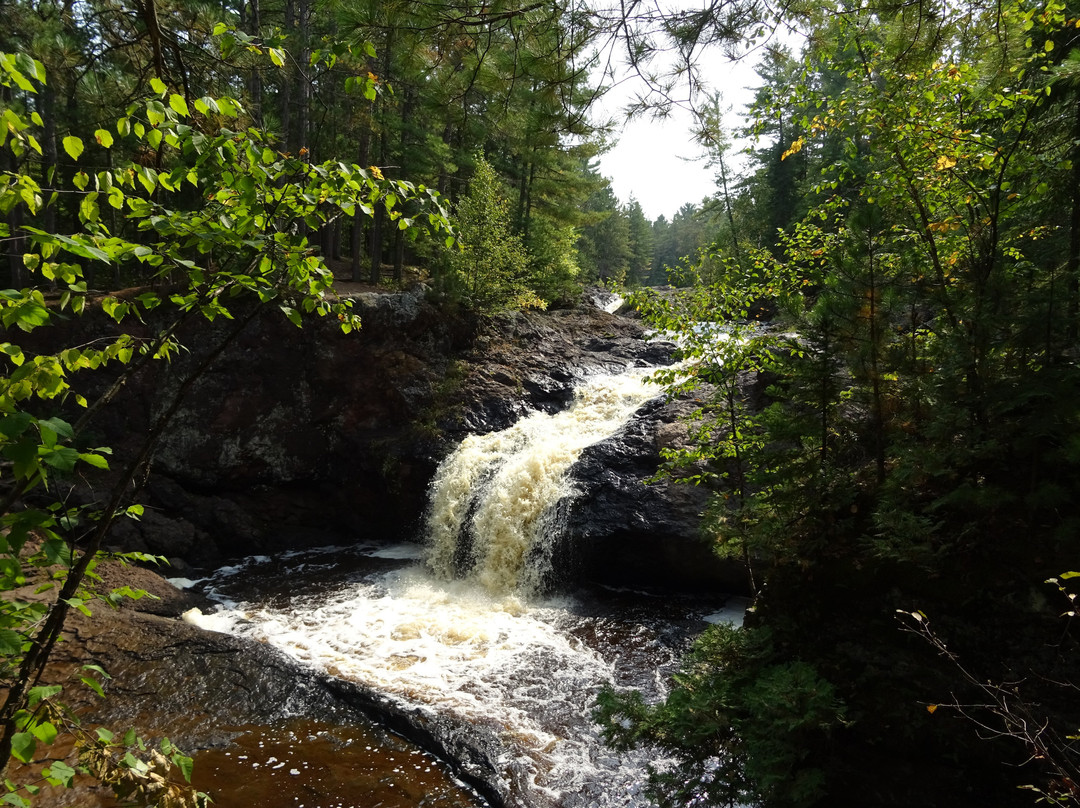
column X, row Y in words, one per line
column 499, row 493
column 484, row 646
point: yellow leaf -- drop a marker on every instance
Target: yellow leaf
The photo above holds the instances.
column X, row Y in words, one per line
column 944, row 163
column 931, row 708
column 796, row 147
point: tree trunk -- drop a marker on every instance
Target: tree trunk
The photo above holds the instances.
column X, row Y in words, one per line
column 1072, row 267
column 375, row 256
column 356, row 238
column 528, row 202
column 399, row 255
column 286, row 95
column 876, row 336
column 443, row 185
column 378, row 226
column 51, row 153
column 255, row 82
column 303, row 86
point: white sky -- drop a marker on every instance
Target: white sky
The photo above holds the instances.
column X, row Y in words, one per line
column 657, row 161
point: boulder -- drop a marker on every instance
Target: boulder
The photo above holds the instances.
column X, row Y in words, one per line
column 627, row 528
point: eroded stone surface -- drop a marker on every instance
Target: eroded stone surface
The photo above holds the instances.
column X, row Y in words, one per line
column 298, row 437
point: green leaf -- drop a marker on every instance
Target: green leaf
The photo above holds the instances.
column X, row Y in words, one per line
column 60, row 773
column 184, row 764
column 24, row 456
column 97, row 669
column 79, row 604
column 57, row 552
column 228, row 107
column 30, row 66
column 73, row 146
column 97, row 461
column 88, row 208
column 155, row 113
column 147, row 178
column 12, row 426
column 94, row 685
column 23, row 745
column 75, row 247
column 293, row 315
column 45, row 732
column 42, row 692
column 59, row 426
column 63, row 458
column 114, row 308
column 10, row 642
column 104, row 138
column 158, row 86
column 178, row 104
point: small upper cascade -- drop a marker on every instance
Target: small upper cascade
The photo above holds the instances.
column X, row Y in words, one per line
column 606, row 300
column 494, row 503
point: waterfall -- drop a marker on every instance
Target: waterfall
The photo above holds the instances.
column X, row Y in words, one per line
column 495, row 502
column 464, row 633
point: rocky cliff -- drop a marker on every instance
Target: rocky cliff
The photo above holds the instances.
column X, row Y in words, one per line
column 298, row 437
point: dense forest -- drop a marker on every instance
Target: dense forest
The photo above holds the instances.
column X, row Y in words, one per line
column 882, row 305
column 421, row 93
column 897, row 270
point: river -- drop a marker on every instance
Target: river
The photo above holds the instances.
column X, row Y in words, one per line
column 472, row 624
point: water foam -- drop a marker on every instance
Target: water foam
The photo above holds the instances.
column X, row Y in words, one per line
column 466, row 633
column 528, row 672
column 495, row 501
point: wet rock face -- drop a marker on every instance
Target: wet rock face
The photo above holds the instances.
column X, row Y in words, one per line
column 530, row 361
column 206, row 690
column 302, row 437
column 293, row 436
column 627, row 529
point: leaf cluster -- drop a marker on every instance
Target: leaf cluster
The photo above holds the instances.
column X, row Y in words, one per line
column 216, row 221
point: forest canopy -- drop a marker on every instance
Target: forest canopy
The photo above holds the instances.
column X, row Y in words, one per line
column 897, row 270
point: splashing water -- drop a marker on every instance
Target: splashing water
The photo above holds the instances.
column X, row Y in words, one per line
column 485, row 648
column 495, row 500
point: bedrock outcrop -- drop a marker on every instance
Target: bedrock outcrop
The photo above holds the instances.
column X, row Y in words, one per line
column 297, row 437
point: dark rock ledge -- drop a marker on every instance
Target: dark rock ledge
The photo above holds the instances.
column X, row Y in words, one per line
column 202, row 689
column 306, row 437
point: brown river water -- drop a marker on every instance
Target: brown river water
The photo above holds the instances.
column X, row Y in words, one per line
column 308, row 764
